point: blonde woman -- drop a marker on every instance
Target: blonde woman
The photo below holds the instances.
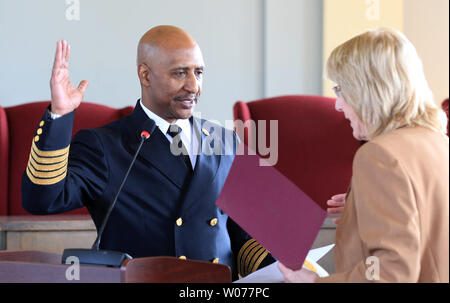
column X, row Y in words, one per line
column 395, row 223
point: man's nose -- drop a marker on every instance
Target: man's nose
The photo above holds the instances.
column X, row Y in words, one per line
column 192, row 84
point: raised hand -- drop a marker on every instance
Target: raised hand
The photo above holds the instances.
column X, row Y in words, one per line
column 336, row 204
column 65, row 96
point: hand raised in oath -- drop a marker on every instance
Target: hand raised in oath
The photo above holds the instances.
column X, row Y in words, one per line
column 65, row 96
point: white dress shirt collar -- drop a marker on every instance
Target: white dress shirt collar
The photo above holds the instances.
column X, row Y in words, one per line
column 164, row 125
column 186, row 133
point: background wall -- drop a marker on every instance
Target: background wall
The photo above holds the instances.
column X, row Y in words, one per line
column 426, row 24
column 344, row 19
column 252, row 48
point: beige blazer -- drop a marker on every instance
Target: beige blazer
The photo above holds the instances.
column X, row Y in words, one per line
column 395, row 224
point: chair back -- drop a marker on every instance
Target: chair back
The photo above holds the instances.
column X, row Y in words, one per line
column 17, row 127
column 315, row 142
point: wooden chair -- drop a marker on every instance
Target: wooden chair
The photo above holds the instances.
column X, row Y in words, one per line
column 315, row 142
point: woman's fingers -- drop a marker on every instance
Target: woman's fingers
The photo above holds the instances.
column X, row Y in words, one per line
column 334, row 203
column 336, row 220
column 287, row 273
column 335, row 210
column 339, row 197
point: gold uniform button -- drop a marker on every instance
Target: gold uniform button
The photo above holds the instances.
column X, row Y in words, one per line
column 216, row 261
column 182, row 257
column 36, row 139
column 205, row 132
column 213, row 222
column 39, row 131
column 179, row 222
column 41, row 123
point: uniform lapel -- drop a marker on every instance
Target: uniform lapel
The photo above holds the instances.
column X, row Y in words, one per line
column 155, row 150
column 206, row 166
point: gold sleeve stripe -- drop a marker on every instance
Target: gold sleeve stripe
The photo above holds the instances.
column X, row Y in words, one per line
column 46, row 167
column 252, row 251
column 258, row 260
column 45, row 181
column 244, row 247
column 46, row 174
column 249, row 254
column 255, row 258
column 243, row 253
column 250, row 257
column 47, row 160
column 49, row 153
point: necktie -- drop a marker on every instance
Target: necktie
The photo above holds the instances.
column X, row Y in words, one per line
column 173, row 131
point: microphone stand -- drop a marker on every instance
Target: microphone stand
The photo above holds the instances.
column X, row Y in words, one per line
column 95, row 256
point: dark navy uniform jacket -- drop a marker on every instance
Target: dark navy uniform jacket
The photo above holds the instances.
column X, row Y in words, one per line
column 163, row 209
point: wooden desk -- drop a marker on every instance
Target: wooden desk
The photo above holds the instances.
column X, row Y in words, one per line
column 52, row 233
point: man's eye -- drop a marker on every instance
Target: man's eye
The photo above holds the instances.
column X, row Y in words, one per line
column 180, row 74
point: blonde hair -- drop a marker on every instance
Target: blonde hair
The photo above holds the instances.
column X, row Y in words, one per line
column 381, row 77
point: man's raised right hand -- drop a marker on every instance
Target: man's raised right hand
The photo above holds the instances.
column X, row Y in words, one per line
column 65, row 96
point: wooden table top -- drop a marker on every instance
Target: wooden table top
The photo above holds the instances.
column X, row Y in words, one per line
column 47, row 222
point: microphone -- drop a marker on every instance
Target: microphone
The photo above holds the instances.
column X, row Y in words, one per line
column 110, row 258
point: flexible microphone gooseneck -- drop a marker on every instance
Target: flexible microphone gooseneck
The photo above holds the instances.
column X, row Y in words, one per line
column 144, row 136
column 94, row 256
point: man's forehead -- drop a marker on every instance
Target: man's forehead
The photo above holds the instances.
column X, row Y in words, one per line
column 183, row 57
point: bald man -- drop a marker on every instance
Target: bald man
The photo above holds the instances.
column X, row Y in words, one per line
column 167, row 206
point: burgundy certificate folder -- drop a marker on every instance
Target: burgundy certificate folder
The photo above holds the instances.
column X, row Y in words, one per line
column 269, row 207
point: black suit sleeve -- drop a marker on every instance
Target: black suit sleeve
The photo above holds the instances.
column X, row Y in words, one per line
column 63, row 175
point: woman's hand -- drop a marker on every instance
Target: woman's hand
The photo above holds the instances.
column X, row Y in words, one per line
column 297, row 276
column 336, row 204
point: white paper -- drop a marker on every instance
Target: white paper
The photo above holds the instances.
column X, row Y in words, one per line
column 271, row 273
column 317, row 253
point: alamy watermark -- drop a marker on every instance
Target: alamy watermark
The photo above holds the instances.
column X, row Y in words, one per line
column 373, row 10
column 373, row 268
column 73, row 271
column 262, row 139
column 73, row 10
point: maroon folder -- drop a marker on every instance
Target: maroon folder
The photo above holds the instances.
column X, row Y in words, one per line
column 272, row 209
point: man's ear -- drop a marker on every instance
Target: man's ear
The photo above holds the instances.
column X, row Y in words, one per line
column 144, row 74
